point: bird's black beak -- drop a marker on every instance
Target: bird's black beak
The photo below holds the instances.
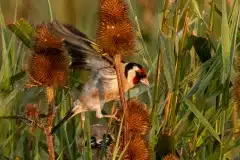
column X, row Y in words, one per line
column 145, row 81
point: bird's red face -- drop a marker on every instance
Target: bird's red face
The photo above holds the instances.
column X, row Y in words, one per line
column 136, row 74
column 141, row 77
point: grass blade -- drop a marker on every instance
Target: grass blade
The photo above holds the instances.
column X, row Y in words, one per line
column 201, row 118
column 225, row 43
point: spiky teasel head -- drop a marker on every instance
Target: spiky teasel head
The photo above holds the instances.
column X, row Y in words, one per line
column 112, row 11
column 137, row 149
column 236, row 89
column 116, row 38
column 170, row 157
column 48, row 63
column 48, row 70
column 138, row 120
column 116, row 34
column 45, row 39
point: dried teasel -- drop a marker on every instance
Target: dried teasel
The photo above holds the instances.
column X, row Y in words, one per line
column 48, row 64
column 45, row 39
column 116, row 39
column 170, row 157
column 136, row 150
column 138, row 122
column 236, row 89
column 116, row 33
column 112, row 11
column 32, row 111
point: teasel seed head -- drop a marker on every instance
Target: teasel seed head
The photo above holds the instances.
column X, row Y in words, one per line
column 48, row 63
column 138, row 121
column 170, row 157
column 116, row 38
column 137, row 149
column 45, row 39
column 236, row 88
column 116, row 34
column 113, row 11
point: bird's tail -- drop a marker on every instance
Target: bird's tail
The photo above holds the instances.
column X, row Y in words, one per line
column 69, row 114
column 77, row 108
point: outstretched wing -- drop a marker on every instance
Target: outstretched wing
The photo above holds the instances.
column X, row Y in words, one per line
column 85, row 53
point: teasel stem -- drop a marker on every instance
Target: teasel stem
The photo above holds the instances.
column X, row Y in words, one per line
column 48, row 127
column 119, row 71
column 164, row 21
column 167, row 111
column 211, row 20
column 178, row 68
column 234, row 119
column 50, row 10
column 159, row 63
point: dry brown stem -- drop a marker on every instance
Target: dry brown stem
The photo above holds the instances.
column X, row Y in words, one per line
column 117, row 59
column 48, row 127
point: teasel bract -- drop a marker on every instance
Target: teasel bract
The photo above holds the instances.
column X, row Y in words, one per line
column 116, row 34
column 170, row 157
column 137, row 149
column 138, row 129
column 138, row 121
column 48, row 63
column 236, row 88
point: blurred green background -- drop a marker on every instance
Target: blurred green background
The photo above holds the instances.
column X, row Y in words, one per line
column 83, row 14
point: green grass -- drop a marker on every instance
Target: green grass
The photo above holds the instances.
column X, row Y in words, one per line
column 191, row 94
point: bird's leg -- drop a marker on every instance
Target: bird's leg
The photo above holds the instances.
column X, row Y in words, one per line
column 100, row 115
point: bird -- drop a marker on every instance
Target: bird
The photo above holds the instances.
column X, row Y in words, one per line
column 102, row 85
column 100, row 133
column 101, row 139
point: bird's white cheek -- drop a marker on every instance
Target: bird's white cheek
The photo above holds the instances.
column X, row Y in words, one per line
column 131, row 75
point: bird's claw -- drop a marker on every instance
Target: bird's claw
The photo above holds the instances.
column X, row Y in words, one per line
column 114, row 116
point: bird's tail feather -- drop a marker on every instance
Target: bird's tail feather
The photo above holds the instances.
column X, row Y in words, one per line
column 68, row 115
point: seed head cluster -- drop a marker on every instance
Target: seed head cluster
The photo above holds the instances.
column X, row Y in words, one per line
column 115, row 31
column 48, row 63
column 138, row 128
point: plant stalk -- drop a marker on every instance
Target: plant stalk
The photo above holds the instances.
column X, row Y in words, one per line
column 234, row 119
column 50, row 10
column 48, row 128
column 178, row 69
column 165, row 13
column 119, row 71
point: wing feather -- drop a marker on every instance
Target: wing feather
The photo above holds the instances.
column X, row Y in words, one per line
column 80, row 48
